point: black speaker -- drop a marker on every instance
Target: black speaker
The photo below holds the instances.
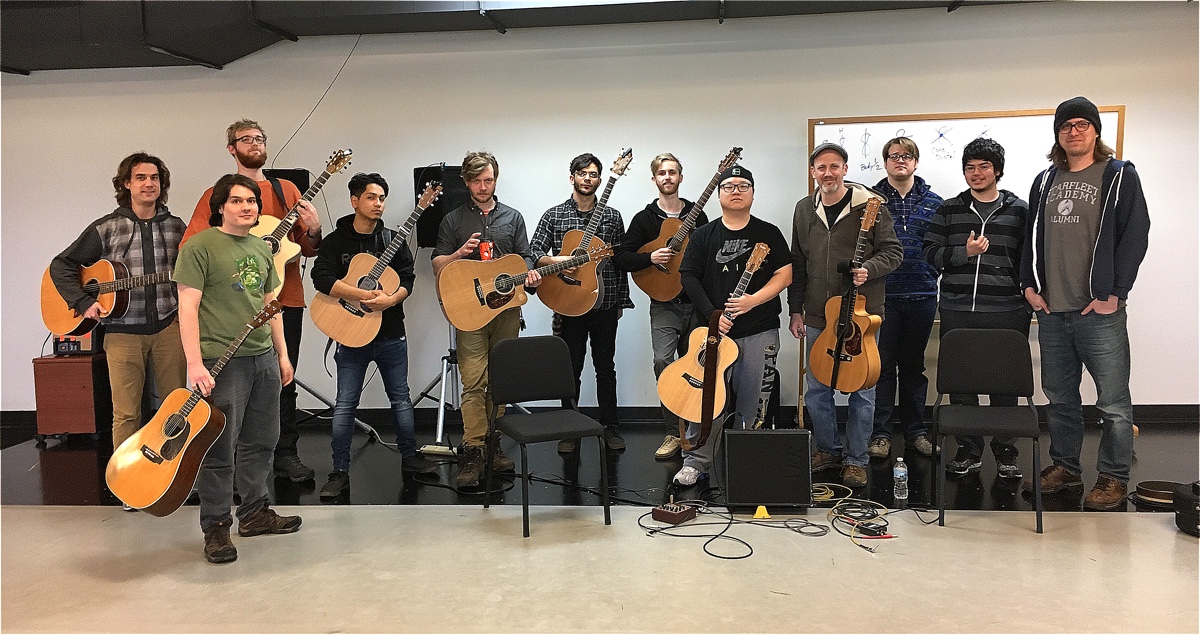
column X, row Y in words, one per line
column 454, row 193
column 298, row 176
column 768, row 467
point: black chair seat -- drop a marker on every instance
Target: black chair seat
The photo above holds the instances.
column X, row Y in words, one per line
column 1000, row 421
column 548, row 426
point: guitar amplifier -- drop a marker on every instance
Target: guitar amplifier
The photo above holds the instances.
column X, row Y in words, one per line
column 77, row 344
column 768, row 467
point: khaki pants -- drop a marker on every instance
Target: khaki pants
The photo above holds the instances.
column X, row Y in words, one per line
column 127, row 357
column 473, row 349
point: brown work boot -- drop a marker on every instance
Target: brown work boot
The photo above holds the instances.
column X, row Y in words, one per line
column 854, row 476
column 265, row 521
column 501, row 462
column 218, row 547
column 1055, row 478
column 822, row 460
column 472, row 467
column 1107, row 495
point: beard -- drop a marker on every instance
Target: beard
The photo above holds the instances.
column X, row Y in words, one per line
column 584, row 190
column 252, row 161
column 668, row 188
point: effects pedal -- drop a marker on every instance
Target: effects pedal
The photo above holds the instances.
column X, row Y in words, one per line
column 673, row 514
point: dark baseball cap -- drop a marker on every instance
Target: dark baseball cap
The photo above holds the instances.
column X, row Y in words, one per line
column 825, row 147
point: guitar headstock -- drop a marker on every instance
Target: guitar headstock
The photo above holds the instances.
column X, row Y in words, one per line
column 433, row 190
column 338, row 161
column 757, row 257
column 730, row 159
column 600, row 253
column 266, row 314
column 871, row 214
column 622, row 162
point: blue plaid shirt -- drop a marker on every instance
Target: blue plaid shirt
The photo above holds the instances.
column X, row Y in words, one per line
column 562, row 218
column 914, row 278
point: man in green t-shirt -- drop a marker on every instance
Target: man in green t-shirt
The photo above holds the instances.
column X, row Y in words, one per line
column 225, row 277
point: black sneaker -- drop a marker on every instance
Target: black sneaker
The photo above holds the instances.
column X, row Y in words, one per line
column 264, row 520
column 964, row 463
column 218, row 548
column 417, row 463
column 338, row 483
column 290, row 467
column 613, row 438
column 1006, row 467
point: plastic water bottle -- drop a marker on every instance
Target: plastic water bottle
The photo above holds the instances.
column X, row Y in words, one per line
column 900, row 483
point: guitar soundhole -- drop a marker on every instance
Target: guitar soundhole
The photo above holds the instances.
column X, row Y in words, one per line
column 367, row 283
column 504, row 285
column 272, row 243
column 174, row 425
column 178, row 429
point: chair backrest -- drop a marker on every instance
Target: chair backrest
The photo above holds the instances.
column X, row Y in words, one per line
column 985, row 362
column 524, row 369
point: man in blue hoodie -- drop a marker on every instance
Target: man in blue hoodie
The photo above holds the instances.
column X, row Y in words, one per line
column 1089, row 234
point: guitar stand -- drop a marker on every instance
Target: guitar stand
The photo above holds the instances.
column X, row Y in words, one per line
column 448, row 379
column 365, row 427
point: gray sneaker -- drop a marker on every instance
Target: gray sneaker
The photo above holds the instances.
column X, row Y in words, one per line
column 922, row 444
column 880, row 448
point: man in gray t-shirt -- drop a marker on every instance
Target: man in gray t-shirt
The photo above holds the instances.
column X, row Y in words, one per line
column 1090, row 232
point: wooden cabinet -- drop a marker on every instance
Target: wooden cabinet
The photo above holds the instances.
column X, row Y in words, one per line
column 72, row 394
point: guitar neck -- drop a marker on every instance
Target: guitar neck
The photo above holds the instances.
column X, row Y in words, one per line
column 689, row 222
column 195, row 397
column 740, row 290
column 124, row 284
column 289, row 219
column 594, row 222
column 402, row 235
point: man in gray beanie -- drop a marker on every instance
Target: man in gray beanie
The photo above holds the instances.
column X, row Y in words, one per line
column 1090, row 231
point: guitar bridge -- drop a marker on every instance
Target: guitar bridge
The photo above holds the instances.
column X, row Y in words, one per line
column 569, row 280
column 844, row 357
column 355, row 311
column 698, row 384
column 479, row 293
column 151, row 455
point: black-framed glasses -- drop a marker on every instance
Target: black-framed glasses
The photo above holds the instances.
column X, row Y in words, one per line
column 896, row 156
column 252, row 140
column 584, row 174
column 1081, row 126
column 729, row 188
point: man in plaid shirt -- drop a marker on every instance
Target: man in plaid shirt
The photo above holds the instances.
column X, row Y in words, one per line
column 599, row 324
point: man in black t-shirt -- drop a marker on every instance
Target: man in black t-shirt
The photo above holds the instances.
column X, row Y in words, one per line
column 712, row 265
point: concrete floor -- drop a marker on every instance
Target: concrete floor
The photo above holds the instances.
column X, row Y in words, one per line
column 439, row 568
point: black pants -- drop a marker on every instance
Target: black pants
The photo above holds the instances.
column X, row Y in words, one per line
column 601, row 328
column 293, row 322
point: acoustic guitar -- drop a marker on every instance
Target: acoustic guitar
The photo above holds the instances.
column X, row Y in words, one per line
column 275, row 230
column 474, row 292
column 154, row 470
column 662, row 282
column 681, row 385
column 582, row 290
column 846, row 356
column 348, row 322
column 107, row 281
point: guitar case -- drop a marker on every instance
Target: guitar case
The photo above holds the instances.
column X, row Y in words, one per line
column 1187, row 508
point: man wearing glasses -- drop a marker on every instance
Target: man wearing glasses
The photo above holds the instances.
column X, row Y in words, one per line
column 712, row 266
column 483, row 228
column 909, row 307
column 599, row 325
column 825, row 230
column 1089, row 234
column 247, row 143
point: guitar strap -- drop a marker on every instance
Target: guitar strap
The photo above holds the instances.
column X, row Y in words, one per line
column 709, row 394
column 278, row 188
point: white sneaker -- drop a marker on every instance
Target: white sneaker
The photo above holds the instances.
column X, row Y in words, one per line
column 687, row 476
column 668, row 449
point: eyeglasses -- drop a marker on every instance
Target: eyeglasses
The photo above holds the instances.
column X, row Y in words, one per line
column 587, row 175
column 729, row 188
column 1081, row 126
column 900, row 157
column 252, row 140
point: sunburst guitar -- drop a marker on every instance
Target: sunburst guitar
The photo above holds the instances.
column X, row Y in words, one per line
column 154, row 470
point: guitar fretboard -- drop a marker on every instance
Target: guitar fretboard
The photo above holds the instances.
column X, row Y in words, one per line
column 550, row 269
column 124, row 284
column 394, row 246
column 594, row 222
column 740, row 289
column 290, row 218
column 689, row 223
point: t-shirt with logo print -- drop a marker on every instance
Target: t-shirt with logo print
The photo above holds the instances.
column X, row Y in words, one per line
column 1072, row 221
column 716, row 257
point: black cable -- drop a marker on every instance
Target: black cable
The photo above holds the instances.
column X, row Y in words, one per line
column 322, row 98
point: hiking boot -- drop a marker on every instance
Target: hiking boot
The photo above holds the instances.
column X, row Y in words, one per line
column 613, row 438
column 1107, row 495
column 417, row 463
column 337, row 484
column 854, row 475
column 501, row 462
column 567, row 446
column 880, row 448
column 264, row 520
column 688, row 476
column 669, row 448
column 1006, row 467
column 922, row 444
column 218, row 547
column 1055, row 478
column 964, row 463
column 822, row 460
column 472, row 467
column 289, row 466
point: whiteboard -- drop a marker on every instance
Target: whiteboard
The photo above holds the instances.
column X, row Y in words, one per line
column 1027, row 136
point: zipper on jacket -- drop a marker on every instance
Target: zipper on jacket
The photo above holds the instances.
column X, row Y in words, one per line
column 979, row 258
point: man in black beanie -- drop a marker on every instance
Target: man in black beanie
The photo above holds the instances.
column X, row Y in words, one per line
column 1090, row 231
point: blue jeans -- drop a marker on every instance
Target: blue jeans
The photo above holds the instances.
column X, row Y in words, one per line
column 391, row 358
column 818, row 398
column 1069, row 342
column 902, row 339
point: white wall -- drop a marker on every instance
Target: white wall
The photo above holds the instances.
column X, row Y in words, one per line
column 536, row 98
